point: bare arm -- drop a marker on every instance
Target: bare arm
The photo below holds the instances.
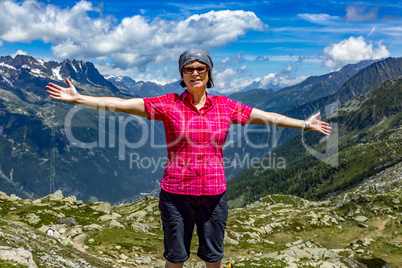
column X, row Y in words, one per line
column 134, row 106
column 260, row 117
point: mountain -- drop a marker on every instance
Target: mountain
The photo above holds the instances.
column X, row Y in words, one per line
column 260, row 140
column 149, row 89
column 47, row 145
column 312, row 88
column 367, row 140
column 24, row 67
column 358, row 228
column 144, row 89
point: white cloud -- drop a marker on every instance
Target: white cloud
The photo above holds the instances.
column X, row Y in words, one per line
column 135, row 42
column 318, row 18
column 358, row 13
column 352, row 50
column 19, row 52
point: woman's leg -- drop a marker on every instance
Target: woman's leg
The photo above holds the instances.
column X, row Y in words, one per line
column 211, row 222
column 217, row 264
column 174, row 265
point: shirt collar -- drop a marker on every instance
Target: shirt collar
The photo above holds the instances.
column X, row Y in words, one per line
column 186, row 95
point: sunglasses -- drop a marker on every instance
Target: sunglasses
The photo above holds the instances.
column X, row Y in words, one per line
column 200, row 70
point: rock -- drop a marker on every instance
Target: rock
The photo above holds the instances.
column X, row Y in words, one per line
column 69, row 221
column 140, row 227
column 360, row 219
column 362, row 225
column 115, row 224
column 33, row 218
column 14, row 198
column 297, row 253
column 104, row 207
column 105, row 218
column 92, row 227
column 137, row 216
column 71, row 199
column 228, row 240
column 19, row 255
column 58, row 195
column 3, row 196
column 78, row 241
column 123, row 257
column 74, row 231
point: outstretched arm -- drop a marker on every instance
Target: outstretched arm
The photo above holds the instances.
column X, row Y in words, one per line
column 134, row 106
column 260, row 117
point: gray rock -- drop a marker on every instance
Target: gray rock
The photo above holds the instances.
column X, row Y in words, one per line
column 140, row 227
column 103, row 207
column 92, row 227
column 362, row 225
column 115, row 224
column 105, row 218
column 58, row 195
column 228, row 240
column 69, row 221
column 137, row 216
column 360, row 219
column 70, row 199
column 19, row 255
column 33, row 218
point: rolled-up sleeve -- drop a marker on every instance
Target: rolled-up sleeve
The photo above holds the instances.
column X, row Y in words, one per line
column 239, row 113
column 156, row 107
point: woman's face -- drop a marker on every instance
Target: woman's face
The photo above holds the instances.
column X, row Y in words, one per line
column 195, row 75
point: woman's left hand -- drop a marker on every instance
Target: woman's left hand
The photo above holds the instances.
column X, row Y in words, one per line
column 319, row 126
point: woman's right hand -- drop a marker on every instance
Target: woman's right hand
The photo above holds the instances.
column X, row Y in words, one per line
column 57, row 92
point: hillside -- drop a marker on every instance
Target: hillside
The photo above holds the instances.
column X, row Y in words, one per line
column 47, row 145
column 313, row 88
column 260, row 140
column 359, row 228
column 368, row 140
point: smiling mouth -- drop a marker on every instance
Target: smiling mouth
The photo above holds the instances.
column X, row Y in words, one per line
column 195, row 80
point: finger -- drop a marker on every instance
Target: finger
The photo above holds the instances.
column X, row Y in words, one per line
column 69, row 83
column 55, row 86
column 55, row 98
column 316, row 115
column 53, row 93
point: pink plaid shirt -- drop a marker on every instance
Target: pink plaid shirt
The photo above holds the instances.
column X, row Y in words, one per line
column 195, row 139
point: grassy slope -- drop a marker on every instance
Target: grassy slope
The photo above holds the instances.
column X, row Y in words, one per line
column 369, row 141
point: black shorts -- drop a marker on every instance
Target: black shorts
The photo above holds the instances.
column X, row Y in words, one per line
column 179, row 213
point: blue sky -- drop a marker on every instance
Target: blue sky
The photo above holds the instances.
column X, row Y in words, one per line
column 253, row 43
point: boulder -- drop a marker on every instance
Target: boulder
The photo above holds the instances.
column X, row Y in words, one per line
column 115, row 224
column 137, row 216
column 105, row 218
column 69, row 221
column 14, row 198
column 92, row 227
column 58, row 195
column 230, row 241
column 19, row 255
column 360, row 219
column 104, row 207
column 140, row 227
column 33, row 218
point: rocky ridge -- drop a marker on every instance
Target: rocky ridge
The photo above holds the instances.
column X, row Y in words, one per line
column 358, row 228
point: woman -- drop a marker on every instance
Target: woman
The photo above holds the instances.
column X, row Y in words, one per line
column 193, row 188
